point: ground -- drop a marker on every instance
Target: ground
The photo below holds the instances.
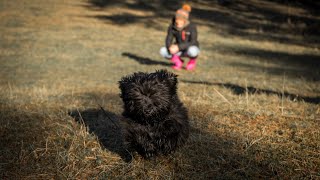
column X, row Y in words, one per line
column 253, row 99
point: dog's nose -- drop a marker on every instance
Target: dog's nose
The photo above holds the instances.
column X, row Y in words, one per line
column 147, row 101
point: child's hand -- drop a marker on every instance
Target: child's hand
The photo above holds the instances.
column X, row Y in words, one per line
column 173, row 49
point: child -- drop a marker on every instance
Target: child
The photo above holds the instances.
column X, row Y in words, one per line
column 184, row 34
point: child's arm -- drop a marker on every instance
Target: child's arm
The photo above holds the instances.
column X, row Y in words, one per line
column 169, row 37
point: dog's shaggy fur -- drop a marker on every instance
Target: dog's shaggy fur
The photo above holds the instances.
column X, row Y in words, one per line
column 155, row 121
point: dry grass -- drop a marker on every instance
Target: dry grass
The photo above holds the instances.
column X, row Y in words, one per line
column 253, row 103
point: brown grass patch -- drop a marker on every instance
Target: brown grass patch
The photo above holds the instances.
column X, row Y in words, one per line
column 253, row 101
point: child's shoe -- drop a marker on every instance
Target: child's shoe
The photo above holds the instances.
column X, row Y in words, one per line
column 191, row 64
column 177, row 62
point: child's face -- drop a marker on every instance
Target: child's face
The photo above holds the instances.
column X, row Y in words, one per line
column 179, row 23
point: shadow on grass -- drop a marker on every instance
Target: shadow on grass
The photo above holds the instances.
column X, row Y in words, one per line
column 205, row 155
column 208, row 153
column 105, row 125
column 239, row 90
column 214, row 155
column 22, row 132
column 121, row 19
column 144, row 60
column 306, row 66
column 304, row 62
column 302, row 72
column 239, row 18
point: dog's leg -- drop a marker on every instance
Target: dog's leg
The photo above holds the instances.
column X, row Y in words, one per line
column 170, row 135
column 139, row 138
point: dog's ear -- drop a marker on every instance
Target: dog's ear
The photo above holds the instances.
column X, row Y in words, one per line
column 169, row 77
column 123, row 82
column 128, row 80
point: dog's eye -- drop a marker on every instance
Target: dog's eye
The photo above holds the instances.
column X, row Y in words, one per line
column 148, row 94
column 156, row 103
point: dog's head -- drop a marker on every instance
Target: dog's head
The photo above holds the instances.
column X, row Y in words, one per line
column 148, row 95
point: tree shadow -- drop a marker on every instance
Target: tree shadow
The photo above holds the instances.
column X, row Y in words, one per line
column 239, row 90
column 212, row 155
column 144, row 60
column 105, row 125
column 280, row 21
column 252, row 20
column 103, row 3
column 205, row 155
column 22, row 131
column 121, row 19
column 129, row 18
column 257, row 21
column 310, row 74
column 301, row 61
column 306, row 66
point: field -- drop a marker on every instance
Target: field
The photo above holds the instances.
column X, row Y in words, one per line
column 253, row 100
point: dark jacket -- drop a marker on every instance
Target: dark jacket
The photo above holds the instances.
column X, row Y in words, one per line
column 183, row 41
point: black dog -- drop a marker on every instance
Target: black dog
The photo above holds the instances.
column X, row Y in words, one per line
column 155, row 121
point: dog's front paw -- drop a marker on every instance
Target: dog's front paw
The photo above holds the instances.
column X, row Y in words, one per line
column 147, row 151
column 148, row 155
